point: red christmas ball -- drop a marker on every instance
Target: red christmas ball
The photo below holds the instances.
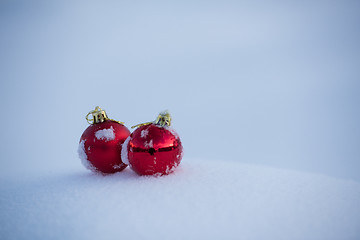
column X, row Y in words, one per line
column 153, row 150
column 100, row 146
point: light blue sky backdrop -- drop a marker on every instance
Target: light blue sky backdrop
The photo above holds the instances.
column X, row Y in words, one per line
column 274, row 83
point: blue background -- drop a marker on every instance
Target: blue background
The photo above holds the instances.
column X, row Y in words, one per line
column 274, row 83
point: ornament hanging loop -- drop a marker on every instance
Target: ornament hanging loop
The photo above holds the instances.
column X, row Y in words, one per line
column 141, row 124
column 98, row 116
column 163, row 120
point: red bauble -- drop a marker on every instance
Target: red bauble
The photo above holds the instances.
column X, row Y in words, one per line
column 153, row 150
column 100, row 146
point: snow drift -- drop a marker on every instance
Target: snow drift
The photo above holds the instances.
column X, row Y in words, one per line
column 200, row 200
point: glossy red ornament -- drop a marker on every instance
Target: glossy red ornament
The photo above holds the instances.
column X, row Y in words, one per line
column 153, row 150
column 100, row 146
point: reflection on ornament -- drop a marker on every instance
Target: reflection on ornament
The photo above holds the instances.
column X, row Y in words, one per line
column 154, row 148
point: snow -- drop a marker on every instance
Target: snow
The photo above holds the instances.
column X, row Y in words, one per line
column 83, row 157
column 106, row 134
column 144, row 133
column 149, row 144
column 118, row 166
column 172, row 130
column 171, row 169
column 124, row 152
column 200, row 200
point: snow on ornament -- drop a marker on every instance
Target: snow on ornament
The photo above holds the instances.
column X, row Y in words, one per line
column 154, row 148
column 101, row 143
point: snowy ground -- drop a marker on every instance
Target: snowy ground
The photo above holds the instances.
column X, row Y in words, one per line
column 201, row 200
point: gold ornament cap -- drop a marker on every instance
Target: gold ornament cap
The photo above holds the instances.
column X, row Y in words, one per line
column 98, row 116
column 163, row 120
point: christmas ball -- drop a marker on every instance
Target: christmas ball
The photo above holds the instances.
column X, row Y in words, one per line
column 101, row 143
column 153, row 148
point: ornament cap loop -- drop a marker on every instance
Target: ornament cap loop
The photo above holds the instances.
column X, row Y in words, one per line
column 163, row 120
column 98, row 116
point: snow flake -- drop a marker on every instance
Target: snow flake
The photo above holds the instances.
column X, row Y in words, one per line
column 149, row 144
column 118, row 166
column 171, row 169
column 173, row 132
column 157, row 175
column 144, row 133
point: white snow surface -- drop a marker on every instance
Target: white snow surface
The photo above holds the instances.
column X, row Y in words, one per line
column 200, row 200
column 106, row 134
